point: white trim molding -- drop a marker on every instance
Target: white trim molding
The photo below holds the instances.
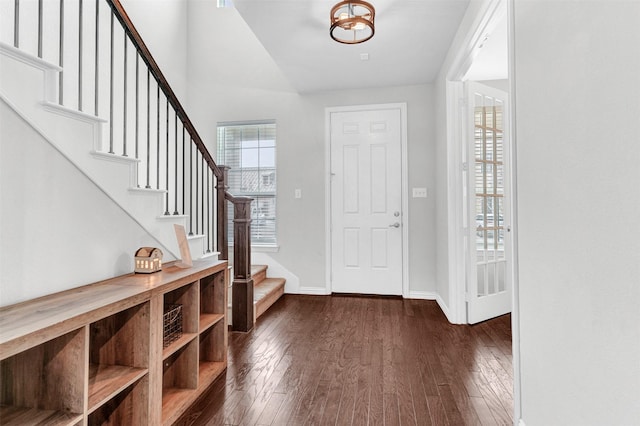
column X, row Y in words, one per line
column 445, row 308
column 313, row 291
column 515, row 286
column 422, row 295
column 50, row 70
column 28, row 58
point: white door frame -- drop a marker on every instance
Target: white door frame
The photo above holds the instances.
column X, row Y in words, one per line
column 405, row 195
column 489, row 14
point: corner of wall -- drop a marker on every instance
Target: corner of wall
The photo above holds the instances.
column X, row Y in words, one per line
column 276, row 269
column 445, row 309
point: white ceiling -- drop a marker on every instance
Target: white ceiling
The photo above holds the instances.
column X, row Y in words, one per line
column 411, row 41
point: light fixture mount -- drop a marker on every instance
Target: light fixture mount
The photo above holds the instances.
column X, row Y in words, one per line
column 352, row 22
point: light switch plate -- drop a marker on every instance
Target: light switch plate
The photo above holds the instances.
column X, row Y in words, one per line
column 298, row 193
column 419, row 192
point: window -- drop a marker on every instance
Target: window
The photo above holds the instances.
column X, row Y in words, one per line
column 249, row 149
column 225, row 3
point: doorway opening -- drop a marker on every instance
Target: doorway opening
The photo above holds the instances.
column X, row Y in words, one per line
column 494, row 18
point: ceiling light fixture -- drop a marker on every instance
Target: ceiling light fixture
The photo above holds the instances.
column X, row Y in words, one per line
column 352, row 22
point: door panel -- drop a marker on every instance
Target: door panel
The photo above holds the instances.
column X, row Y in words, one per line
column 366, row 185
column 488, row 284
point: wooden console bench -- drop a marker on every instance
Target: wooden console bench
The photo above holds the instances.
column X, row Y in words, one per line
column 94, row 355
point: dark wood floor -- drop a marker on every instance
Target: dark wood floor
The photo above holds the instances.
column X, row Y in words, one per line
column 338, row 360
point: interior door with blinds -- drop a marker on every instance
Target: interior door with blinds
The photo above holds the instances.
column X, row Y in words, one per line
column 489, row 284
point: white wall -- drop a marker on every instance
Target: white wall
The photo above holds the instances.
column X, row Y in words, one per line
column 163, row 27
column 57, row 229
column 577, row 67
column 232, row 78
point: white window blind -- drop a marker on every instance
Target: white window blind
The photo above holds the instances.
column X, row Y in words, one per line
column 225, row 3
column 249, row 149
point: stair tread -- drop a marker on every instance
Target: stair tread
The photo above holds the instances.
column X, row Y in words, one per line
column 258, row 268
column 266, row 287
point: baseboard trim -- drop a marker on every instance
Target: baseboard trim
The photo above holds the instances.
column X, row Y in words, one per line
column 315, row 291
column 423, row 295
column 444, row 308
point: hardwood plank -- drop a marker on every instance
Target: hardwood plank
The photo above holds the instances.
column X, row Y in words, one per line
column 437, row 411
column 362, row 396
column 259, row 391
column 415, row 382
column 268, row 414
column 450, row 407
column 404, row 355
column 262, row 400
column 205, row 406
column 376, row 397
column 302, row 377
column 343, row 360
column 484, row 412
column 492, row 400
column 334, row 396
column 389, row 394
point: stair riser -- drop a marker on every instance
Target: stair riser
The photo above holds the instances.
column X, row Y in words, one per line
column 265, row 303
column 259, row 277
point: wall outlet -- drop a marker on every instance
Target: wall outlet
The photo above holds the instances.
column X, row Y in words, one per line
column 419, row 192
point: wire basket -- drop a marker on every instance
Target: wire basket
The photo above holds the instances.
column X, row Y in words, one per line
column 172, row 324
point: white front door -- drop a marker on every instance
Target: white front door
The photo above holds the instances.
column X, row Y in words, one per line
column 366, row 201
column 490, row 263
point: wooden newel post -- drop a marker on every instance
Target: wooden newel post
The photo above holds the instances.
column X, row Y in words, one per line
column 242, row 300
column 221, row 212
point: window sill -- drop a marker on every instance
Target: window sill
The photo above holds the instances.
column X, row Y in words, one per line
column 263, row 248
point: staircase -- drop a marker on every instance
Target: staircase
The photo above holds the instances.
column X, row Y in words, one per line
column 112, row 113
column 266, row 291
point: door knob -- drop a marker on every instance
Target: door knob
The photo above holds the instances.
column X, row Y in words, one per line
column 395, row 225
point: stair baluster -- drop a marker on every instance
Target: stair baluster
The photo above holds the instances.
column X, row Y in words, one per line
column 206, row 184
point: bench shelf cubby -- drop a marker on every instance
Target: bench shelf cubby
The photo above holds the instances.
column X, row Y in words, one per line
column 94, row 355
